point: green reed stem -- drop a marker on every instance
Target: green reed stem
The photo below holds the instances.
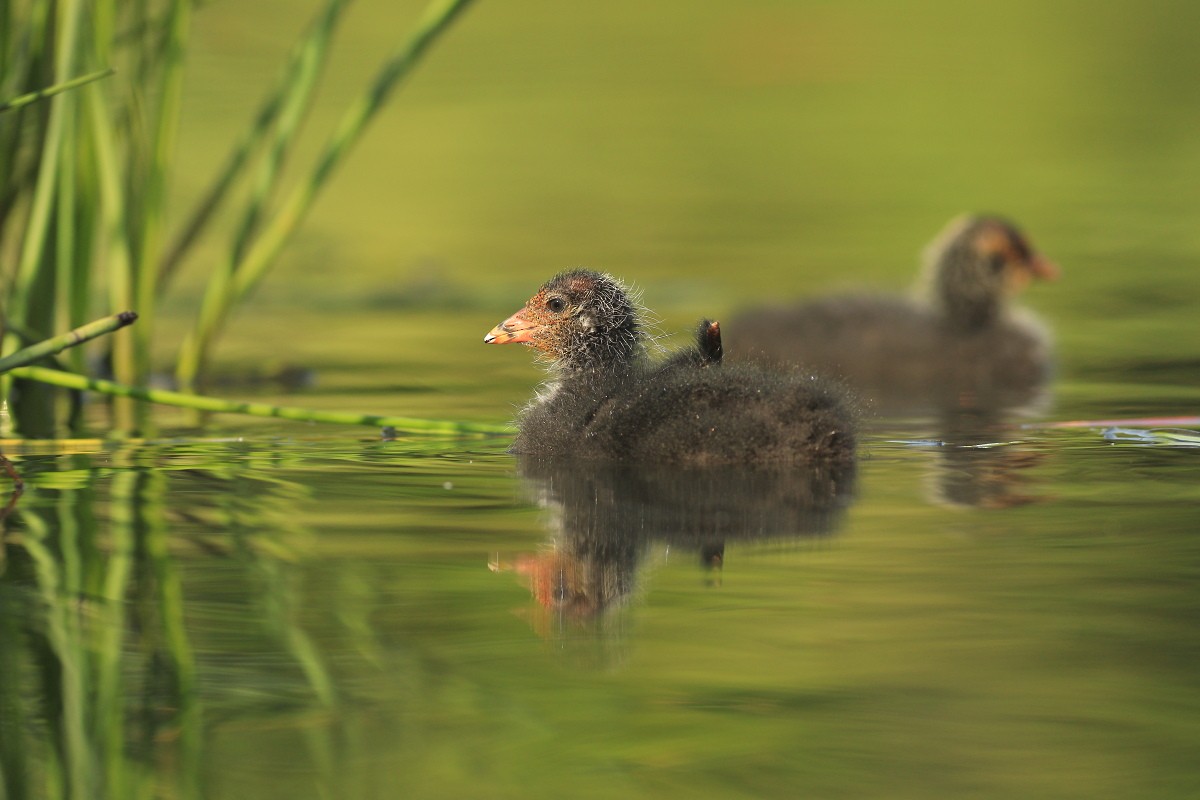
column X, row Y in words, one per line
column 292, row 113
column 112, row 228
column 199, row 403
column 50, row 91
column 149, row 225
column 59, row 343
column 32, row 297
column 261, row 255
column 37, row 226
column 27, row 45
column 299, row 78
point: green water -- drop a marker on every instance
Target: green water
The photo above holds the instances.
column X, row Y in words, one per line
column 982, row 609
column 328, row 618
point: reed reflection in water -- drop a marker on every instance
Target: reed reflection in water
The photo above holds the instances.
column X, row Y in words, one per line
column 99, row 687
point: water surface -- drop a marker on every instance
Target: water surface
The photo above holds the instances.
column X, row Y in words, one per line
column 331, row 617
column 980, row 609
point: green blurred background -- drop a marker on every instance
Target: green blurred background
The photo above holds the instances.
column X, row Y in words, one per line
column 714, row 154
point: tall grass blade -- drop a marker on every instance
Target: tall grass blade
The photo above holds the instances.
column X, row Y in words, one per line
column 312, row 59
column 28, row 62
column 32, row 298
column 261, row 255
column 113, row 211
column 307, row 60
column 147, row 228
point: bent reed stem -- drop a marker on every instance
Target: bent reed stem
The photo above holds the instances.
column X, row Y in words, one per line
column 50, row 91
column 57, row 344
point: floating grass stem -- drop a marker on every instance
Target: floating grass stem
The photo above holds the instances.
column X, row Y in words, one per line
column 213, row 404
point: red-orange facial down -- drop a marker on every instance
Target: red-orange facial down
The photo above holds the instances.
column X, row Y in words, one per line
column 1021, row 263
column 579, row 320
column 534, row 323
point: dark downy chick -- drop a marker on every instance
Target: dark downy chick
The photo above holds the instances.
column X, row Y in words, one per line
column 607, row 400
column 959, row 340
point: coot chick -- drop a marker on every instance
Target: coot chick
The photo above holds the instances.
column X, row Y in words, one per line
column 959, row 341
column 607, row 400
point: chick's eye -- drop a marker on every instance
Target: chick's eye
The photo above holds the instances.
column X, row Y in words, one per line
column 556, row 304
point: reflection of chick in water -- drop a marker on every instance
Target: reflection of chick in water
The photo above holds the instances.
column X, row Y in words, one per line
column 979, row 466
column 606, row 516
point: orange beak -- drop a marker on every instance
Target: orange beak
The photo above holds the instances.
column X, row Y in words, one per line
column 514, row 329
column 1041, row 267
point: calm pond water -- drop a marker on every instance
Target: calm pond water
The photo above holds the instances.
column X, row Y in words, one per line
column 330, row 617
column 988, row 608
